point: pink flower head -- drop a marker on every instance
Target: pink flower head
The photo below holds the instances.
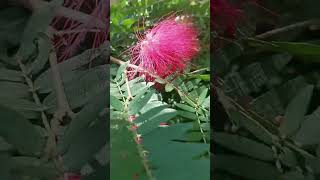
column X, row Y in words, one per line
column 167, row 47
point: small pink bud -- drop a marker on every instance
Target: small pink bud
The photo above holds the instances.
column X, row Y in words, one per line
column 134, row 127
column 163, row 124
column 131, row 118
column 138, row 139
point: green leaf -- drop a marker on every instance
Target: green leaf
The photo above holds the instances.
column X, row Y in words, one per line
column 120, row 71
column 245, row 167
column 44, row 48
column 153, row 123
column 240, row 145
column 33, row 167
column 139, row 102
column 185, row 98
column 204, row 77
column 82, row 120
column 309, row 133
column 12, row 123
column 185, row 107
column 203, row 96
column 298, row 48
column 124, row 154
column 150, row 113
column 187, row 115
column 307, row 51
column 82, row 89
column 182, row 164
column 85, row 145
column 128, row 22
column 252, row 126
column 206, row 103
column 13, row 89
column 38, row 23
column 10, row 75
column 288, row 157
column 295, row 111
column 27, row 108
column 116, row 103
column 99, row 173
column 136, row 88
column 69, row 69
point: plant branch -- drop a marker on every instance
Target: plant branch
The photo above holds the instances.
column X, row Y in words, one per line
column 290, row 27
column 51, row 138
column 63, row 107
column 135, row 137
column 134, row 132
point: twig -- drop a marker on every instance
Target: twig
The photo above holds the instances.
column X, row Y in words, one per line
column 63, row 107
column 128, row 87
column 135, row 134
column 60, row 33
column 51, row 139
column 199, row 70
column 290, row 27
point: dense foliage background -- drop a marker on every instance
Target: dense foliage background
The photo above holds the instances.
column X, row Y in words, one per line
column 179, row 149
column 266, row 123
column 53, row 115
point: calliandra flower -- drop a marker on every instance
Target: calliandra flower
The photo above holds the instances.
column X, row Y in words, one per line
column 166, row 48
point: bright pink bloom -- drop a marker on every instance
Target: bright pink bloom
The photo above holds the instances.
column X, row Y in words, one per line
column 166, row 48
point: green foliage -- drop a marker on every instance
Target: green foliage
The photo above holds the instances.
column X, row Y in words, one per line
column 29, row 102
column 150, row 110
column 171, row 116
column 270, row 92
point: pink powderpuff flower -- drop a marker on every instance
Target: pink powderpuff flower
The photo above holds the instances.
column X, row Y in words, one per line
column 166, row 48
